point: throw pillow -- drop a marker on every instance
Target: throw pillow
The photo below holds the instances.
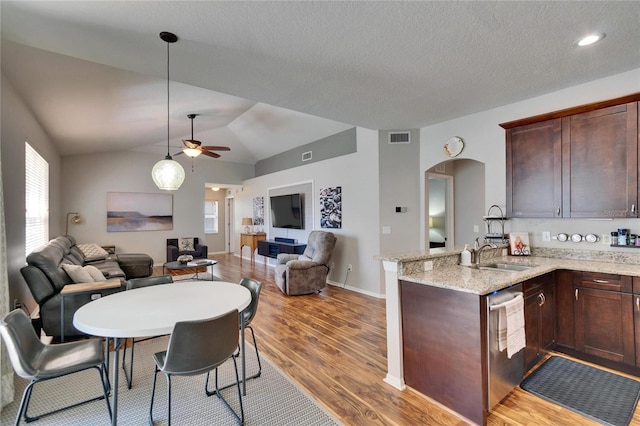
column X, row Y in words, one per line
column 77, row 273
column 95, row 273
column 186, row 244
column 92, row 251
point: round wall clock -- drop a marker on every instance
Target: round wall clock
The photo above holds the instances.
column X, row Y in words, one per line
column 453, row 146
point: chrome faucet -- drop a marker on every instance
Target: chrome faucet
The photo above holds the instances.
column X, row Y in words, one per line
column 477, row 251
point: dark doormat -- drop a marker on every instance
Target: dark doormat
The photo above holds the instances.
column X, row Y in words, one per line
column 602, row 396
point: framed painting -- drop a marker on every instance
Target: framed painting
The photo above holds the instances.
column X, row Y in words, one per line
column 519, row 244
column 331, row 207
column 136, row 211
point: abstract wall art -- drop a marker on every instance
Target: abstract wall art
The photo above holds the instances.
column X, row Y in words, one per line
column 331, row 207
column 136, row 211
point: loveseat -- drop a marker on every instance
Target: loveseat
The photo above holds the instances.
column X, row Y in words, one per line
column 306, row 273
column 61, row 262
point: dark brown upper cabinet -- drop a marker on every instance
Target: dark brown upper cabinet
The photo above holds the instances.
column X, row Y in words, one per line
column 581, row 162
column 534, row 170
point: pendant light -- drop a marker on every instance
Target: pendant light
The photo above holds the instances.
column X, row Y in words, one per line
column 168, row 174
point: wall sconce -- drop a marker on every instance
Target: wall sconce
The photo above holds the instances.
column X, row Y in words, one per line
column 75, row 219
column 248, row 222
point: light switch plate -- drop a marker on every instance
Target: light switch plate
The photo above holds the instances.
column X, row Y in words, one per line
column 386, row 230
column 546, row 236
column 606, row 239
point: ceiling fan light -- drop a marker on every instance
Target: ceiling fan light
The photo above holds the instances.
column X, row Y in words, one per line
column 168, row 174
column 192, row 152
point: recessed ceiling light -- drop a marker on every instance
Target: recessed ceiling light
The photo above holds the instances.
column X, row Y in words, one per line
column 590, row 39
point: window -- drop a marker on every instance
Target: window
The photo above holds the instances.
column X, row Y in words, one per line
column 210, row 217
column 36, row 200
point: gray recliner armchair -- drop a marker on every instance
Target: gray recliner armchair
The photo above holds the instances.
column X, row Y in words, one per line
column 306, row 273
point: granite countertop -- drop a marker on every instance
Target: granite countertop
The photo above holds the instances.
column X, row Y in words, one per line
column 482, row 282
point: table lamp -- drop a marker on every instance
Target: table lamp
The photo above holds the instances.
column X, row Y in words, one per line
column 248, row 222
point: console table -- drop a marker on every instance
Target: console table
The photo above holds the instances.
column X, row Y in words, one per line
column 252, row 241
column 271, row 248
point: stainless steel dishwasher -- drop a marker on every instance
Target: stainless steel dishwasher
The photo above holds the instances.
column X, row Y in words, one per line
column 504, row 373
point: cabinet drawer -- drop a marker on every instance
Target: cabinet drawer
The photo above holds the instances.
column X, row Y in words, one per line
column 636, row 285
column 600, row 281
column 535, row 285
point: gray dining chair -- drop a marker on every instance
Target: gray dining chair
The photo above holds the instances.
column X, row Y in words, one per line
column 250, row 312
column 131, row 285
column 198, row 347
column 33, row 360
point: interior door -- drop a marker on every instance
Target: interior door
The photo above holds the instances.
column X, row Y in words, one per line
column 440, row 216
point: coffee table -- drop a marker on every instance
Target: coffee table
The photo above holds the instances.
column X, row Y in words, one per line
column 194, row 264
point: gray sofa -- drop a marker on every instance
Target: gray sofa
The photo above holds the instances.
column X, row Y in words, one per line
column 45, row 277
column 306, row 273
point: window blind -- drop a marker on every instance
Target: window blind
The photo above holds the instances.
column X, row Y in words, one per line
column 36, row 200
column 211, row 217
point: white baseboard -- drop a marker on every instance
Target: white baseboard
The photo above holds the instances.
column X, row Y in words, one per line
column 357, row 290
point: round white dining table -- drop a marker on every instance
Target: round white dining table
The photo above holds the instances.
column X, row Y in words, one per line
column 154, row 310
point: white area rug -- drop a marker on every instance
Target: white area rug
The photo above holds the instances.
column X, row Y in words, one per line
column 272, row 398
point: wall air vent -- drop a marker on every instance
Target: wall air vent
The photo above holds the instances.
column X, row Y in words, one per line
column 306, row 156
column 399, row 137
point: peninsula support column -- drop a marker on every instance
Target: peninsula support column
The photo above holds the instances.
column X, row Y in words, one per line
column 395, row 368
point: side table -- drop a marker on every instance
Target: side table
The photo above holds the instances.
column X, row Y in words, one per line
column 251, row 240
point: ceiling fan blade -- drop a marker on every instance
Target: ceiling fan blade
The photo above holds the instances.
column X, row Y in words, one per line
column 211, row 154
column 178, row 153
column 217, row 148
column 191, row 143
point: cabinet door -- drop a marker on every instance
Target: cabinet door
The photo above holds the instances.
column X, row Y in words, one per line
column 604, row 324
column 636, row 320
column 600, row 163
column 532, row 329
column 565, row 318
column 534, row 170
column 548, row 317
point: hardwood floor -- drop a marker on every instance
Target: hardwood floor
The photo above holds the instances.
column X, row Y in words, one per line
column 333, row 344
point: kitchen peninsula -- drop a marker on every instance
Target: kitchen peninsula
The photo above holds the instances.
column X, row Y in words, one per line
column 437, row 333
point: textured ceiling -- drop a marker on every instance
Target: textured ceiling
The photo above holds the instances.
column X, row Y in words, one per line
column 267, row 76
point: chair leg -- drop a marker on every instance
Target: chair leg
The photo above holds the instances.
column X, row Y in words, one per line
column 128, row 375
column 153, row 394
column 255, row 345
column 239, row 417
column 26, row 397
column 168, row 399
column 106, row 386
column 24, row 402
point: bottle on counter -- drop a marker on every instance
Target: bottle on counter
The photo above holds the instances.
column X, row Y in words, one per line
column 465, row 256
column 614, row 238
column 622, row 237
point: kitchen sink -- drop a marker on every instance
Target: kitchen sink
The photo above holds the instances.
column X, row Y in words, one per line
column 506, row 267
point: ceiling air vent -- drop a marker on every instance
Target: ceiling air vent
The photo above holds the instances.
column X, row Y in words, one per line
column 306, row 156
column 399, row 137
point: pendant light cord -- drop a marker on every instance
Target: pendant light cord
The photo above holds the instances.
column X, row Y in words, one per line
column 168, row 155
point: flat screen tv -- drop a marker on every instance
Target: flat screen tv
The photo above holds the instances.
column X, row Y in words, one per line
column 287, row 211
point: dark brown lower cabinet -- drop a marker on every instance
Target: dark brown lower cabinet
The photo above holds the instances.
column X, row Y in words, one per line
column 444, row 346
column 565, row 318
column 604, row 324
column 540, row 314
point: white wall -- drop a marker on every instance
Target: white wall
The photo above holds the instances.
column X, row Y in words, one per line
column 86, row 180
column 18, row 126
column 358, row 239
column 485, row 142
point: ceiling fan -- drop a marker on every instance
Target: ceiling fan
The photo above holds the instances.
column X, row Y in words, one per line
column 193, row 148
